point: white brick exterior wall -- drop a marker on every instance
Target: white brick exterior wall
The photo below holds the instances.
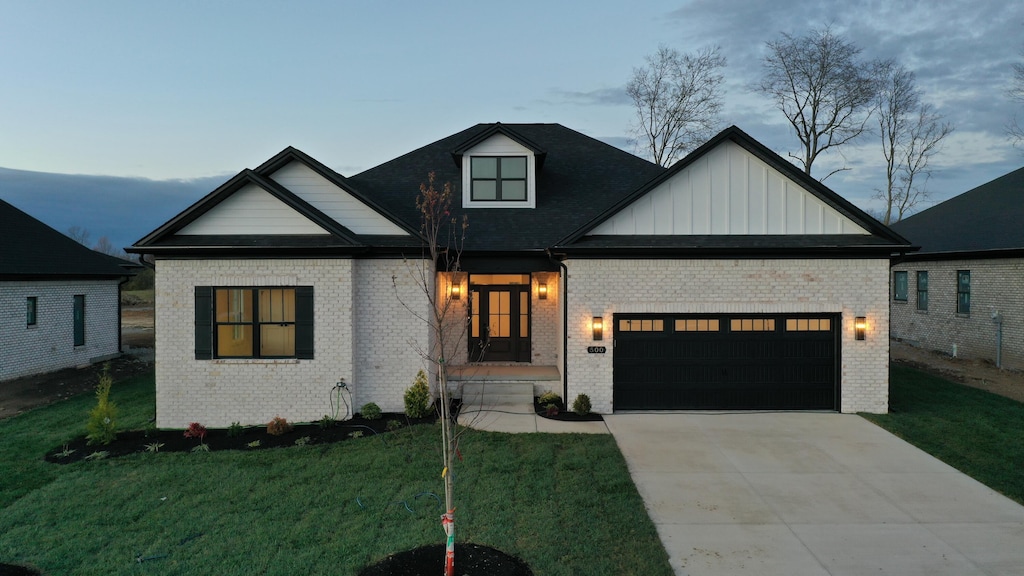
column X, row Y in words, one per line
column 49, row 345
column 996, row 285
column 850, row 287
column 350, row 297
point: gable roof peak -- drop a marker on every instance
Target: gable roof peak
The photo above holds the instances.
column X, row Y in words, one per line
column 489, row 130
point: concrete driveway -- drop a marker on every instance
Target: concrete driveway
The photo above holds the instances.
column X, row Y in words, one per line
column 811, row 494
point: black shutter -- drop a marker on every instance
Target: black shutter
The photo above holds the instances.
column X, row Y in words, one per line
column 304, row 322
column 204, row 322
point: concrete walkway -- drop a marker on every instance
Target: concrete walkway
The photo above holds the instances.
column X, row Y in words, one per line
column 811, row 494
column 521, row 418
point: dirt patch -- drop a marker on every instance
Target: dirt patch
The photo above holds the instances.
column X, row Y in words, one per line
column 972, row 372
column 21, row 394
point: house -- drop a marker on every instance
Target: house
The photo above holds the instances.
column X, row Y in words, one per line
column 963, row 293
column 729, row 281
column 59, row 301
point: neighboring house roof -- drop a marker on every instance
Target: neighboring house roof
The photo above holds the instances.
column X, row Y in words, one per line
column 983, row 222
column 582, row 184
column 31, row 250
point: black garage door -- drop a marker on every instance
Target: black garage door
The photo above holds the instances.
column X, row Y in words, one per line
column 726, row 362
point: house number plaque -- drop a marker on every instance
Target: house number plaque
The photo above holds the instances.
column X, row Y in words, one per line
column 596, row 349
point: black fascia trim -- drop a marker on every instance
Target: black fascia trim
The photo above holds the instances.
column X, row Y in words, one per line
column 498, row 128
column 253, row 251
column 43, row 277
column 748, row 143
column 291, row 153
column 859, row 252
column 993, row 254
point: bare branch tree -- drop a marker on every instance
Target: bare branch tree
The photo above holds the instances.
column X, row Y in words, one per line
column 677, row 98
column 445, row 236
column 79, row 234
column 911, row 134
column 1016, row 92
column 823, row 88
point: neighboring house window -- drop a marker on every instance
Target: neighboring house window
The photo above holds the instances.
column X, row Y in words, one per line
column 79, row 319
column 498, row 178
column 265, row 322
column 963, row 292
column 899, row 288
column 922, row 290
column 31, row 307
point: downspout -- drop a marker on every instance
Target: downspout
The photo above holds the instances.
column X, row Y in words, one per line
column 565, row 326
column 998, row 319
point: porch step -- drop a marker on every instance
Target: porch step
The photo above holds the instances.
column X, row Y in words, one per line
column 491, row 393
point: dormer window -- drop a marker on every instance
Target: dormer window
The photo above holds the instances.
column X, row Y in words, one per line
column 498, row 178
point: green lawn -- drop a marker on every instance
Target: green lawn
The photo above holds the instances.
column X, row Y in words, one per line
column 977, row 432
column 563, row 503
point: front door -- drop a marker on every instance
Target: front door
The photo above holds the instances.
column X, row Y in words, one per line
column 499, row 323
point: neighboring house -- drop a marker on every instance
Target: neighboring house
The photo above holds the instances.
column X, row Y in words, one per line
column 59, row 301
column 729, row 281
column 963, row 293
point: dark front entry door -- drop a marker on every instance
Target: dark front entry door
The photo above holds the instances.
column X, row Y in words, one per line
column 499, row 324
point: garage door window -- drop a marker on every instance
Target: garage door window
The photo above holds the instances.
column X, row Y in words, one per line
column 752, row 325
column 697, row 325
column 808, row 324
column 642, row 325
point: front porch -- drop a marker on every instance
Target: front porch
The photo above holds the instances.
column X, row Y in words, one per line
column 488, row 385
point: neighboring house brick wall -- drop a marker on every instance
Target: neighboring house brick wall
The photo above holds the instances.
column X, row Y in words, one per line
column 392, row 335
column 49, row 345
column 850, row 287
column 996, row 285
column 219, row 392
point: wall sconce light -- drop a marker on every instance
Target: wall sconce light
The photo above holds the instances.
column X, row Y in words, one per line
column 542, row 291
column 598, row 325
column 456, row 290
column 860, row 327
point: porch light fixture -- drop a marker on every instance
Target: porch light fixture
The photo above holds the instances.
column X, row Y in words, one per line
column 860, row 327
column 598, row 326
column 542, row 291
column 456, row 291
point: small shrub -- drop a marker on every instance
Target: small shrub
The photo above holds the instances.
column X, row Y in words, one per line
column 326, row 422
column 65, row 452
column 102, row 428
column 154, row 446
column 356, row 434
column 235, row 430
column 302, row 441
column 417, row 397
column 551, row 410
column 98, row 455
column 254, row 444
column 550, row 397
column 581, row 405
column 201, row 448
column 370, row 411
column 392, row 425
column 278, row 426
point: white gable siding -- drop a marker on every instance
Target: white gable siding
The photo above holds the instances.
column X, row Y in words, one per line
column 500, row 145
column 252, row 210
column 333, row 201
column 728, row 191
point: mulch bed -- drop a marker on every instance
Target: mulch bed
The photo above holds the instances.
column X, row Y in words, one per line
column 248, row 438
column 14, row 570
column 564, row 415
column 469, row 559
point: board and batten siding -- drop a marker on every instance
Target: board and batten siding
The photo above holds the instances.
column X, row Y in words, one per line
column 333, row 201
column 728, row 191
column 252, row 210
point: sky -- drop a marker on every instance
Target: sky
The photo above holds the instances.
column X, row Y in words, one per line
column 115, row 116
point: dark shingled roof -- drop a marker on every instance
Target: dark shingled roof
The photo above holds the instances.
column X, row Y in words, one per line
column 987, row 218
column 30, row 249
column 580, row 178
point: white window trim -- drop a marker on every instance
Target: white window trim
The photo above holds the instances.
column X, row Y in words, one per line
column 531, row 182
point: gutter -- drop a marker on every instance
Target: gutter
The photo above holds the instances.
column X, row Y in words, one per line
column 565, row 324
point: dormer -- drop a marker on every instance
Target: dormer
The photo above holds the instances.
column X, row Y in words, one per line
column 499, row 169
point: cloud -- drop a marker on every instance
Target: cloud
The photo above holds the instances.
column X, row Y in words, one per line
column 122, row 209
column 600, row 97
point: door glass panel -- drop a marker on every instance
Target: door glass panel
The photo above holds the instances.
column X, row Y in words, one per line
column 499, row 314
column 475, row 312
column 524, row 314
